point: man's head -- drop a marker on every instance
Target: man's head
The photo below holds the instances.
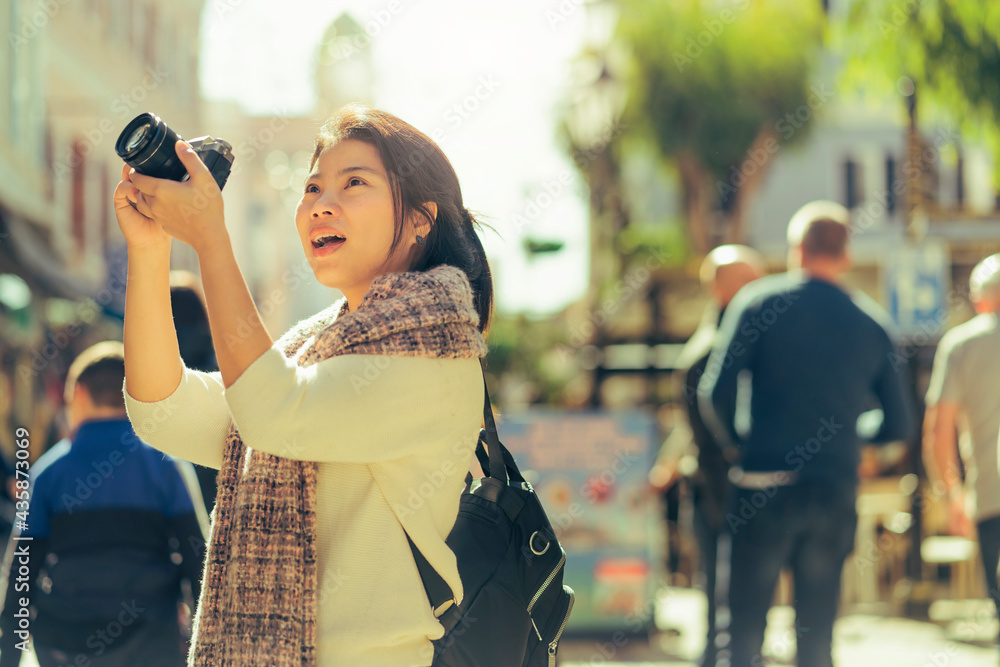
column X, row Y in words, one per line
column 728, row 268
column 817, row 239
column 94, row 384
column 984, row 285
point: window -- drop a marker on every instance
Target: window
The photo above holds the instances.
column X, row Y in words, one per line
column 852, row 184
column 50, row 161
column 78, row 201
column 891, row 181
column 960, row 181
column 13, row 115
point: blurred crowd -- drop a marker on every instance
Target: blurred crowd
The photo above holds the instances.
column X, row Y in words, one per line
column 786, row 380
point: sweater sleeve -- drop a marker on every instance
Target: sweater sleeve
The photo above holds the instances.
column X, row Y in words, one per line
column 898, row 422
column 352, row 408
column 191, row 424
column 731, row 354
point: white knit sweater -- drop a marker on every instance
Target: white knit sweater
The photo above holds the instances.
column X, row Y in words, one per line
column 415, row 419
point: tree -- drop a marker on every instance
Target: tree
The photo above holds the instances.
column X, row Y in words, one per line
column 949, row 48
column 719, row 88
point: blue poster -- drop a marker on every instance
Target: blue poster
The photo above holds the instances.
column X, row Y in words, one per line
column 590, row 471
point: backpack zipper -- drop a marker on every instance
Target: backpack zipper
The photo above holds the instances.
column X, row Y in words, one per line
column 548, row 580
column 555, row 641
column 476, row 510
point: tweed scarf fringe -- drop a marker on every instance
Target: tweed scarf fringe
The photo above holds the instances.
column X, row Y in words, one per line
column 258, row 596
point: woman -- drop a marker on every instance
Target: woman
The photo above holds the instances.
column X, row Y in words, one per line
column 357, row 424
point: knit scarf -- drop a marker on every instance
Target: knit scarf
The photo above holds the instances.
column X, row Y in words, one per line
column 258, row 596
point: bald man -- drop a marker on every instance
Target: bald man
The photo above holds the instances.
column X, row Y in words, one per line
column 816, row 358
column 964, row 395
column 724, row 271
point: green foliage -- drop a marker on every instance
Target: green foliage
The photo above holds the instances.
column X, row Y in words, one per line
column 708, row 76
column 665, row 244
column 536, row 352
column 949, row 48
column 539, row 247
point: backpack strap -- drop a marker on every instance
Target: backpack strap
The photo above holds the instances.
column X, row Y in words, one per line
column 497, row 468
column 438, row 591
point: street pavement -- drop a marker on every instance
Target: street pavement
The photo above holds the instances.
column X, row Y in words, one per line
column 962, row 637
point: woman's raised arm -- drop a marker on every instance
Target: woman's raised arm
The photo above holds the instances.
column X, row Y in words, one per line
column 153, row 364
column 192, row 212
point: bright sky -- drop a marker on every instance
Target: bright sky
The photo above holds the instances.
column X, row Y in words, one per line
column 430, row 55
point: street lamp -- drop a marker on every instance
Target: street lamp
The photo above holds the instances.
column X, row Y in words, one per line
column 916, row 214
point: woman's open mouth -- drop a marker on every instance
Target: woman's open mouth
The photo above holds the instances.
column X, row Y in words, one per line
column 327, row 244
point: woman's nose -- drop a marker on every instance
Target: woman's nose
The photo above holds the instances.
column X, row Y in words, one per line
column 324, row 205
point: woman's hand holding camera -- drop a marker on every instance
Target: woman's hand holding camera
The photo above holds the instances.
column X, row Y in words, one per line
column 190, row 211
column 140, row 231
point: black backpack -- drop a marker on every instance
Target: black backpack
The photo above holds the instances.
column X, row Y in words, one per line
column 515, row 606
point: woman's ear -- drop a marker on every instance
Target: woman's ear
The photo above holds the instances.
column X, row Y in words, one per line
column 423, row 225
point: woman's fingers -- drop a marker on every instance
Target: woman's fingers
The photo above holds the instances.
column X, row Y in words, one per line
column 143, row 204
column 121, row 190
column 200, row 175
column 125, row 192
column 135, row 198
column 190, row 211
column 121, row 196
column 148, row 184
column 126, row 208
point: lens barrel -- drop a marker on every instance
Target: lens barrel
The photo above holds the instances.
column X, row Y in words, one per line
column 147, row 145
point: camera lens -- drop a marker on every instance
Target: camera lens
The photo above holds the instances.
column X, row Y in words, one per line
column 147, row 145
column 136, row 138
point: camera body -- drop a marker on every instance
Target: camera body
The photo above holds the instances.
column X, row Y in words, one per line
column 147, row 145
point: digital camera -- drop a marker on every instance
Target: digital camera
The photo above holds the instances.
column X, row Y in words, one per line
column 147, row 145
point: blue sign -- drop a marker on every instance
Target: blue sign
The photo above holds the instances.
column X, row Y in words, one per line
column 917, row 280
column 590, row 471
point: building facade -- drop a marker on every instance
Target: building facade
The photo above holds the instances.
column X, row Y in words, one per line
column 73, row 74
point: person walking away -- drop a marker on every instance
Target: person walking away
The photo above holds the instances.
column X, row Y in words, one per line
column 964, row 395
column 814, row 359
column 724, row 271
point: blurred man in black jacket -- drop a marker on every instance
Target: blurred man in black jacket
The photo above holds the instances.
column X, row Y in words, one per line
column 813, row 357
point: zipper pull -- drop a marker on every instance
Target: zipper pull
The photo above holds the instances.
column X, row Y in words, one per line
column 552, row 653
column 536, row 629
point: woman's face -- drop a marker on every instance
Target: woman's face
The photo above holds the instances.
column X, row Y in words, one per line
column 348, row 196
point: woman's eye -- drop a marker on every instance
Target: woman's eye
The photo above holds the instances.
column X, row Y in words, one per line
column 312, row 187
column 353, row 181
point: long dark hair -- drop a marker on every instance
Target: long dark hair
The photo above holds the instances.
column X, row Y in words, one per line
column 419, row 172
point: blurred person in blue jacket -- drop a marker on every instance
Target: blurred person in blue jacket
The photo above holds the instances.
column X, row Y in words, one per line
column 812, row 358
column 94, row 574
